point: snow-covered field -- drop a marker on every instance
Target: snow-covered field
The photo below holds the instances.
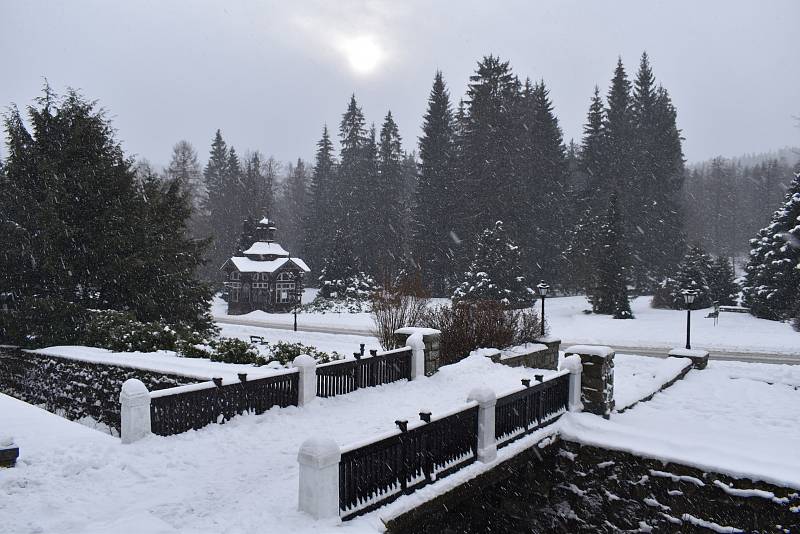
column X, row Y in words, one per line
column 242, row 476
column 736, row 332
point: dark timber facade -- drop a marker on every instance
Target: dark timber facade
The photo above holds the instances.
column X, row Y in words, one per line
column 264, row 276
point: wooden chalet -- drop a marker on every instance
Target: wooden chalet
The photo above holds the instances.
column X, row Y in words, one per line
column 263, row 277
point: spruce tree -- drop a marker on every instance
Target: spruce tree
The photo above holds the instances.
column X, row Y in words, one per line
column 490, row 146
column 496, row 272
column 436, row 192
column 352, row 197
column 292, row 208
column 609, row 292
column 390, row 231
column 592, row 148
column 722, row 287
column 694, row 273
column 319, row 219
column 185, row 168
column 772, row 281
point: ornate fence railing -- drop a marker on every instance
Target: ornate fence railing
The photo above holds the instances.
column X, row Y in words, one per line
column 376, row 473
column 530, row 408
column 339, row 378
column 177, row 410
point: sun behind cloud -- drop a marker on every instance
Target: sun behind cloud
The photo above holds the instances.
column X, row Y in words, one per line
column 363, row 53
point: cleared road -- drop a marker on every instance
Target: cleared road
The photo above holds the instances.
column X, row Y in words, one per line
column 793, row 359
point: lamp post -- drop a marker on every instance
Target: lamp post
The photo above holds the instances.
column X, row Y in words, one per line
column 542, row 289
column 298, row 296
column 688, row 296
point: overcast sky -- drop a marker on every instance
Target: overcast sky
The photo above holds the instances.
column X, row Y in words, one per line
column 269, row 74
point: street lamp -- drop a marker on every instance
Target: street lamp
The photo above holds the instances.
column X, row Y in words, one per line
column 542, row 289
column 298, row 296
column 688, row 296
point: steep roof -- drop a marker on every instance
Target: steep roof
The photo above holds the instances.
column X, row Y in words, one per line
column 246, row 265
column 265, row 248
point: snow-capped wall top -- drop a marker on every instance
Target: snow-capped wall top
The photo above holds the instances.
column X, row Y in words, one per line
column 697, row 353
column 594, row 350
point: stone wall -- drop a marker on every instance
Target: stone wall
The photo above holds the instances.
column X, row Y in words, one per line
column 431, row 339
column 566, row 487
column 597, row 380
column 74, row 388
column 533, row 355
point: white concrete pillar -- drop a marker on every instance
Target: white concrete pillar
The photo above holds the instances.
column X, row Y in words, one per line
column 307, row 381
column 575, row 366
column 319, row 477
column 135, row 411
column 417, row 344
column 487, row 444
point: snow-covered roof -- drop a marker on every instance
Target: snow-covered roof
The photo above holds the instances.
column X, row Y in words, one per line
column 265, row 248
column 246, row 265
column 265, row 220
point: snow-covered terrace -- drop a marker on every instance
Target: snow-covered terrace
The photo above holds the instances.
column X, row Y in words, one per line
column 242, row 476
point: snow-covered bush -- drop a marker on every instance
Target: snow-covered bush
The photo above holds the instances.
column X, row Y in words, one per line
column 712, row 278
column 467, row 326
column 495, row 273
column 232, row 350
column 285, row 353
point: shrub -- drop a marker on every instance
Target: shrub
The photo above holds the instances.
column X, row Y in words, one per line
column 285, row 353
column 401, row 305
column 467, row 326
column 42, row 322
column 120, row 331
column 232, row 350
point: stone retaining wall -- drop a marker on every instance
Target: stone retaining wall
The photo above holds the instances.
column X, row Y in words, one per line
column 74, row 388
column 566, row 487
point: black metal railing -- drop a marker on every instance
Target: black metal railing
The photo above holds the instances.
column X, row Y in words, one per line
column 184, row 408
column 533, row 407
column 343, row 377
column 379, row 472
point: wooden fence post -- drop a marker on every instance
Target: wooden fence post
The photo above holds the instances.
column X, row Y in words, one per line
column 135, row 411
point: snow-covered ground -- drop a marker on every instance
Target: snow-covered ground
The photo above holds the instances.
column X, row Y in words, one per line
column 737, row 418
column 236, row 477
column 637, row 377
column 736, row 332
column 242, row 476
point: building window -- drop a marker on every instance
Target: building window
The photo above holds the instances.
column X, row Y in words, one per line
column 235, row 294
column 234, row 275
column 255, row 277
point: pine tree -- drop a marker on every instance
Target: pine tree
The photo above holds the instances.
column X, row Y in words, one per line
column 542, row 163
column 341, row 276
column 496, row 272
column 436, row 193
column 184, row 168
column 772, row 281
column 355, row 191
column 319, row 217
column 694, row 273
column 80, row 231
column 390, row 230
column 592, row 149
column 293, row 206
column 722, row 287
column 609, row 293
column 490, row 146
